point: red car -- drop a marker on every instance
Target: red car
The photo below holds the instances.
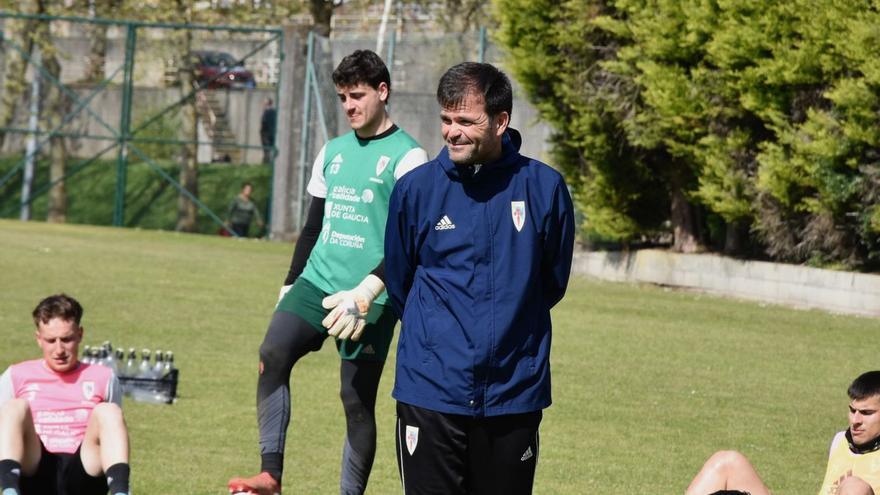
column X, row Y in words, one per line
column 220, row 70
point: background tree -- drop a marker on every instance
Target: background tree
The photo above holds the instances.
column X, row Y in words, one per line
column 757, row 121
column 19, row 32
column 104, row 9
column 560, row 57
column 28, row 35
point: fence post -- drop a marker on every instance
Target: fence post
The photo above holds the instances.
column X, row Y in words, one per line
column 285, row 184
column 31, row 149
column 481, row 56
column 299, row 211
column 392, row 42
column 124, row 128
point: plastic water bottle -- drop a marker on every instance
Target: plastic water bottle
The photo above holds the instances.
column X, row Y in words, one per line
column 98, row 356
column 131, row 364
column 143, row 392
column 144, row 367
column 107, row 352
column 108, row 358
column 119, row 367
column 159, row 367
column 169, row 364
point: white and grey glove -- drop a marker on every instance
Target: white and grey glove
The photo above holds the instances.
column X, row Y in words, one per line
column 283, row 292
column 349, row 308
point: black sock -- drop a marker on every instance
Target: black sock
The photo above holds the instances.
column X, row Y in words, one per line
column 117, row 478
column 10, row 472
column 272, row 463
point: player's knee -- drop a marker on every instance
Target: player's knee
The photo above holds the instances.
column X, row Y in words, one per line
column 356, row 412
column 15, row 411
column 109, row 414
column 350, row 400
column 272, row 358
column 854, row 485
column 726, row 461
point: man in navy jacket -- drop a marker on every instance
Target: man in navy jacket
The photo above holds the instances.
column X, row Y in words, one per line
column 478, row 246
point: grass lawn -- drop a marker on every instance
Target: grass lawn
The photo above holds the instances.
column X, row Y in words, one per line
column 150, row 201
column 647, row 382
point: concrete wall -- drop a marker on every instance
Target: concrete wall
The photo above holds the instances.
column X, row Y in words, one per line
column 417, row 113
column 420, row 58
column 419, row 61
column 845, row 292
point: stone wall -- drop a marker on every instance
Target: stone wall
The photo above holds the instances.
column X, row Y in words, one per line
column 844, row 292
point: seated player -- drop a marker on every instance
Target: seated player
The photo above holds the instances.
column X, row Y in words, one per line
column 853, row 462
column 61, row 425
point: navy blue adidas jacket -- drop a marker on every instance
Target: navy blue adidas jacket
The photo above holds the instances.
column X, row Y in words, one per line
column 473, row 264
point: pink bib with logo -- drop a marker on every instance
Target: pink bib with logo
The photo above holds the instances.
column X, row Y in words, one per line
column 61, row 403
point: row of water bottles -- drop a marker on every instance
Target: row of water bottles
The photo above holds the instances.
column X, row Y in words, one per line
column 142, row 379
column 130, row 365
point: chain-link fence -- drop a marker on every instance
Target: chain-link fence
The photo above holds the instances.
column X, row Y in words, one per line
column 158, row 125
column 161, row 121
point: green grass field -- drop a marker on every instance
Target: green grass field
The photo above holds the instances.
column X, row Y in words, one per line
column 647, row 382
column 151, row 202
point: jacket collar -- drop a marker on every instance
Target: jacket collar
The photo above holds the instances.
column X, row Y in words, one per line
column 862, row 449
column 510, row 144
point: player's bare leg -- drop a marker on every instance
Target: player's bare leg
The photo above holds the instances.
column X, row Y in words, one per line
column 727, row 470
column 853, row 485
column 105, row 446
column 19, row 444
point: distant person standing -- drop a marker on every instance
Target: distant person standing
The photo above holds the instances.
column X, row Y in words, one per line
column 242, row 211
column 267, row 129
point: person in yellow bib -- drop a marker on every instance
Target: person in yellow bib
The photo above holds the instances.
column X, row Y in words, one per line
column 853, row 461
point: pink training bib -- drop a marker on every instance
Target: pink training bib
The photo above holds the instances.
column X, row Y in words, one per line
column 61, row 403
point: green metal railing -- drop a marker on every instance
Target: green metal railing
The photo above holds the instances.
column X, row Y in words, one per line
column 124, row 138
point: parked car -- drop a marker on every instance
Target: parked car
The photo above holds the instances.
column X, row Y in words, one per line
column 220, row 70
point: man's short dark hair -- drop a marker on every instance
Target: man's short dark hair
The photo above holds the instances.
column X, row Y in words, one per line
column 246, row 184
column 58, row 306
column 865, row 386
column 362, row 67
column 483, row 79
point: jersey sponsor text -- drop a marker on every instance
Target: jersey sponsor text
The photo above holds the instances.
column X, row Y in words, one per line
column 347, row 240
column 347, row 212
column 345, row 193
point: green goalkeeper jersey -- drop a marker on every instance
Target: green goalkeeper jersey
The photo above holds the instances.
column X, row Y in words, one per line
column 356, row 176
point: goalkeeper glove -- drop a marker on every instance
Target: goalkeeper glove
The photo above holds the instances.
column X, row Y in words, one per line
column 349, row 308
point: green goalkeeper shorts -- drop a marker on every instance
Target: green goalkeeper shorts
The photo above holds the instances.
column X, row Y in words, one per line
column 304, row 300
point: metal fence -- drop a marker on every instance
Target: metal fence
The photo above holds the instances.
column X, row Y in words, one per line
column 417, row 59
column 133, row 107
column 135, row 111
column 413, row 81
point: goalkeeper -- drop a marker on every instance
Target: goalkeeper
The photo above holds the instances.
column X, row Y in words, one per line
column 335, row 283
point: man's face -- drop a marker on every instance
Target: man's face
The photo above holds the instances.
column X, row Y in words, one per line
column 471, row 135
column 59, row 339
column 864, row 419
column 364, row 106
